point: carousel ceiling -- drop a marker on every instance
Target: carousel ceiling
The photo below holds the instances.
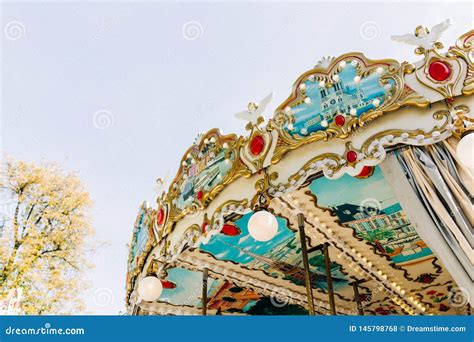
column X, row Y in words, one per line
column 321, row 155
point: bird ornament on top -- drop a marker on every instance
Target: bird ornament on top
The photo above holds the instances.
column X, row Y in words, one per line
column 423, row 38
column 440, row 72
column 253, row 113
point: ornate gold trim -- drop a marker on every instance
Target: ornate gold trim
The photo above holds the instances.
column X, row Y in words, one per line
column 400, row 95
column 446, row 87
column 371, row 153
column 149, row 214
column 464, row 49
column 232, row 144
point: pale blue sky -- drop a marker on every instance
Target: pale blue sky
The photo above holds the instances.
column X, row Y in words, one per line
column 71, row 60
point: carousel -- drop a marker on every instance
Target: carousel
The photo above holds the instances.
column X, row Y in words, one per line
column 355, row 198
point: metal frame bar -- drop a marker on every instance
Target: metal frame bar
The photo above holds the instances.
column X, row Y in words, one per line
column 204, row 291
column 304, row 255
column 355, row 287
column 327, row 262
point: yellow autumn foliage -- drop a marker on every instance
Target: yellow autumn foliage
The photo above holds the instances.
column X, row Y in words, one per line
column 44, row 237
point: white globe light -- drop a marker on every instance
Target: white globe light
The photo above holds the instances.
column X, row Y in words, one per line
column 263, row 226
column 465, row 151
column 150, row 288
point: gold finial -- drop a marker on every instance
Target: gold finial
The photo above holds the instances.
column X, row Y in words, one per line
column 252, row 107
column 421, row 31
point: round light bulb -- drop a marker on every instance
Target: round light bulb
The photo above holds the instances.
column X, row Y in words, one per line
column 465, row 151
column 263, row 226
column 150, row 288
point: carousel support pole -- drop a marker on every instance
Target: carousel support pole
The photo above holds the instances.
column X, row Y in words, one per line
column 355, row 286
column 204, row 291
column 327, row 262
column 307, row 274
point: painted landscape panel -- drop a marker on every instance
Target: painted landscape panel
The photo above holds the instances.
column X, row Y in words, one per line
column 351, row 95
column 279, row 257
column 184, row 287
column 370, row 207
column 203, row 171
column 141, row 237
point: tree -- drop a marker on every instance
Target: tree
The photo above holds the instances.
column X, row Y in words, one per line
column 376, row 236
column 43, row 237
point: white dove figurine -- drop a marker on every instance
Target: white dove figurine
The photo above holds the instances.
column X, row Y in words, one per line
column 255, row 110
column 423, row 37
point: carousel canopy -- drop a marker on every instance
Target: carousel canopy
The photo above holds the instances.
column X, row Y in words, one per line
column 360, row 162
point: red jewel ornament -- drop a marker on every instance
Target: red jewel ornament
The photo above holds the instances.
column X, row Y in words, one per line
column 230, row 230
column 351, row 156
column 160, row 217
column 199, row 195
column 439, row 71
column 203, row 227
column 256, row 145
column 366, row 172
column 168, row 284
column 340, row 120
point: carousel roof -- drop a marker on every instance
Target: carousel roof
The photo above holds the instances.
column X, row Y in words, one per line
column 323, row 154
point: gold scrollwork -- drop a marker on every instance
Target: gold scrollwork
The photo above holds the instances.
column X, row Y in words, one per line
column 464, row 49
column 462, row 122
column 262, row 198
column 232, row 144
column 148, row 219
column 256, row 161
column 230, row 203
column 333, row 163
column 445, row 87
column 199, row 230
